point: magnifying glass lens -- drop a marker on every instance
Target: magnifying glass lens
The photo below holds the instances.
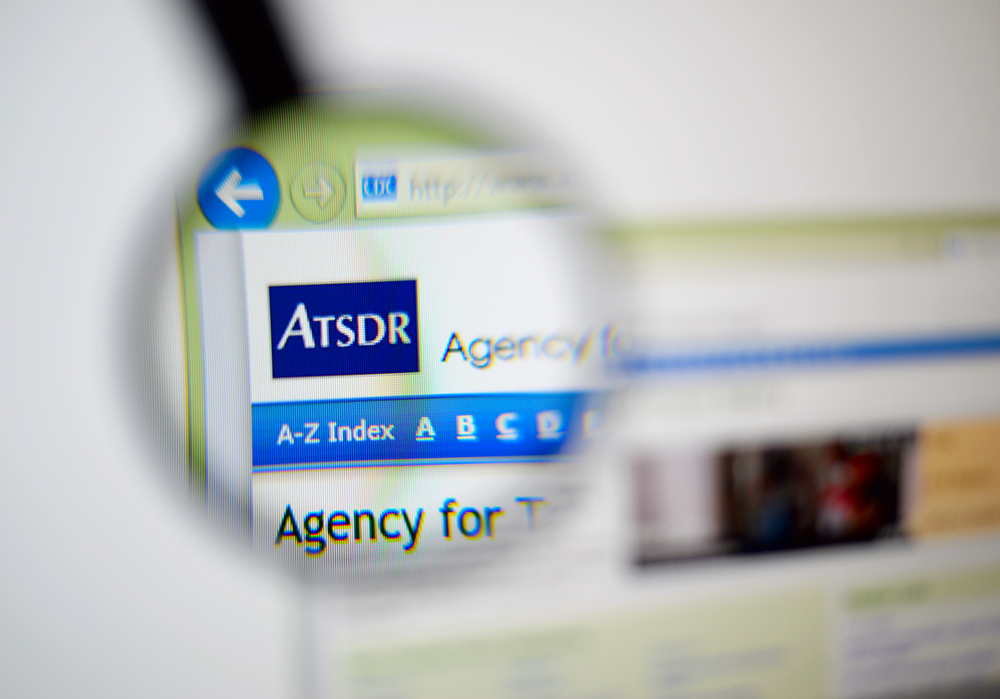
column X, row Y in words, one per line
column 390, row 338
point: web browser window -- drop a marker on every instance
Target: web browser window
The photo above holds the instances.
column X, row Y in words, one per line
column 389, row 356
column 799, row 498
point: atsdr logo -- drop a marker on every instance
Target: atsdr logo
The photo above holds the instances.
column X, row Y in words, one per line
column 344, row 329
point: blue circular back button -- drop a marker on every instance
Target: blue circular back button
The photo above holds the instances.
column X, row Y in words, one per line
column 239, row 189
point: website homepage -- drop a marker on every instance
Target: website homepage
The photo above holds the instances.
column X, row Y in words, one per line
column 773, row 471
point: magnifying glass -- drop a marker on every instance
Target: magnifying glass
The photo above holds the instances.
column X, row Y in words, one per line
column 389, row 321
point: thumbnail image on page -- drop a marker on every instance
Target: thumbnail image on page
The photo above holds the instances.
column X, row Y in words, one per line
column 391, row 341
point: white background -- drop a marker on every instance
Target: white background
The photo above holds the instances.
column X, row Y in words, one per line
column 107, row 588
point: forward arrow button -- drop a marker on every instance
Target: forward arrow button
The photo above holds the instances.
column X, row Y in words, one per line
column 322, row 193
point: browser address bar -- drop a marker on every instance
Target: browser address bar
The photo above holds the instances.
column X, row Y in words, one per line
column 458, row 184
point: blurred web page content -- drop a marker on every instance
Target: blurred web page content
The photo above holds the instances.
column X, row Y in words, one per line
column 806, row 399
column 808, row 447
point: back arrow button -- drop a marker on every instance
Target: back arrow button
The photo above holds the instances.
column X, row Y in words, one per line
column 231, row 193
column 239, row 190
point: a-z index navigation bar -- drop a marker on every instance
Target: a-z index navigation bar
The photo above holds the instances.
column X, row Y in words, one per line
column 424, row 430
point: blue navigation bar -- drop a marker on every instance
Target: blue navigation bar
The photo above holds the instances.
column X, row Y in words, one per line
column 818, row 354
column 418, row 430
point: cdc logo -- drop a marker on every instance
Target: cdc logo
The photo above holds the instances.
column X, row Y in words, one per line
column 344, row 329
column 379, row 187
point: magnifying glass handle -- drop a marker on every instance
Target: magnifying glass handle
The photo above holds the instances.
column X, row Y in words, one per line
column 255, row 48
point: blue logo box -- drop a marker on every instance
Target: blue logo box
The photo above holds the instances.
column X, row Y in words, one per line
column 344, row 329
